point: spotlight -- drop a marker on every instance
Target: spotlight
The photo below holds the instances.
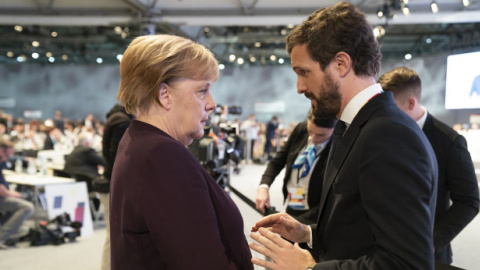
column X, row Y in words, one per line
column 465, row 3
column 206, row 32
column 406, row 11
column 10, row 54
column 258, row 44
column 428, row 40
column 221, row 66
column 281, row 61
column 240, row 61
column 408, row 56
column 35, row 43
column 290, row 26
column 273, row 57
column 49, row 54
column 64, row 57
column 18, row 28
column 232, row 57
column 253, row 59
column 119, row 57
column 51, row 59
column 54, row 34
column 35, row 55
column 434, row 7
column 99, row 60
column 378, row 31
column 380, row 13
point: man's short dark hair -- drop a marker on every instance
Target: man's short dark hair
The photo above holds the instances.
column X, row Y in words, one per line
column 341, row 28
column 402, row 82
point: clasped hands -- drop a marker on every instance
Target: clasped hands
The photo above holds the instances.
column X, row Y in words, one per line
column 283, row 254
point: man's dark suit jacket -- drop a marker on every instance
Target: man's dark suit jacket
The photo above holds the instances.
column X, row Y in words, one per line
column 456, row 182
column 48, row 143
column 84, row 161
column 286, row 157
column 167, row 212
column 378, row 202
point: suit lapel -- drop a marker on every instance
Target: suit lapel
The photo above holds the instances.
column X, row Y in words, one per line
column 349, row 139
column 337, row 161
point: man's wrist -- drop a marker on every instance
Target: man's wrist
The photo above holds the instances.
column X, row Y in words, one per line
column 263, row 186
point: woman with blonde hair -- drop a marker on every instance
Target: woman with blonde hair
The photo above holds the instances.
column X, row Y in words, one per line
column 167, row 212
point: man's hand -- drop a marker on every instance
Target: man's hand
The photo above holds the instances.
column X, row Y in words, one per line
column 284, row 255
column 286, row 226
column 262, row 199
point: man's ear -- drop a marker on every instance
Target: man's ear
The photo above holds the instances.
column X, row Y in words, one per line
column 411, row 103
column 164, row 96
column 343, row 63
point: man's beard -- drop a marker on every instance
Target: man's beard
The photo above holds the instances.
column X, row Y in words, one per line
column 329, row 101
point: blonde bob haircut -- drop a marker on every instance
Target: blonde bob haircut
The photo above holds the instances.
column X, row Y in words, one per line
column 155, row 59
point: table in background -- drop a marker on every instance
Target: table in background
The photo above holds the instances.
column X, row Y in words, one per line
column 59, row 195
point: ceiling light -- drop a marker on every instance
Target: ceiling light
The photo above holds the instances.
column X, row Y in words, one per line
column 408, row 56
column 240, row 61
column 35, row 55
column 434, row 7
column 283, row 32
column 273, row 57
column 378, row 31
column 35, row 43
column 118, row 30
column 232, row 57
column 49, row 54
column 281, row 60
column 380, row 13
column 258, row 44
column 206, row 32
column 99, row 60
column 406, row 11
column 54, row 34
column 465, row 3
column 290, row 26
column 119, row 57
column 64, row 57
column 405, row 2
column 221, row 66
column 9, row 54
column 253, row 59
column 18, row 28
column 428, row 40
column 20, row 59
column 51, row 59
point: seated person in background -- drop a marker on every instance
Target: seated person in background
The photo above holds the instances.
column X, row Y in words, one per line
column 54, row 135
column 14, row 209
column 457, row 181
column 304, row 156
column 84, row 160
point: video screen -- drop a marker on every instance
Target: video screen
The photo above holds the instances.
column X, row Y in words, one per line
column 463, row 81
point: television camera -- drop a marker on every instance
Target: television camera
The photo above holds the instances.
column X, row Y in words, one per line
column 237, row 110
column 220, row 155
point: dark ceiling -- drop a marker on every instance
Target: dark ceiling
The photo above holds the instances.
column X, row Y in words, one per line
column 246, row 28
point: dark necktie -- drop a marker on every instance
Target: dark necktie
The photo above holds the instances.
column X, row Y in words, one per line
column 337, row 135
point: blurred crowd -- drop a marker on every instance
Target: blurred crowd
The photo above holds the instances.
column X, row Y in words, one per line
column 52, row 133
